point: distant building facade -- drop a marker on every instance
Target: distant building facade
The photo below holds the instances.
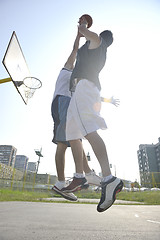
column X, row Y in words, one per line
column 149, row 164
column 8, row 155
column 32, row 166
column 21, row 162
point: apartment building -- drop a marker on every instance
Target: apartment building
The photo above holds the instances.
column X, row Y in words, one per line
column 8, row 155
column 149, row 164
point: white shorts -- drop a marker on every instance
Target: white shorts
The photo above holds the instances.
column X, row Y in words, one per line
column 83, row 115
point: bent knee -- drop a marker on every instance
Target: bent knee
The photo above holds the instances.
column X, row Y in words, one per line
column 91, row 135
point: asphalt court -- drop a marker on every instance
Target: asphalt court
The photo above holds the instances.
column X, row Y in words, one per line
column 30, row 220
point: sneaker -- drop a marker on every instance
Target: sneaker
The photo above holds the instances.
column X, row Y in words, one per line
column 109, row 191
column 93, row 179
column 76, row 184
column 68, row 196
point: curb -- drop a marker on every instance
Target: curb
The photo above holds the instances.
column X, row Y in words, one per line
column 85, row 200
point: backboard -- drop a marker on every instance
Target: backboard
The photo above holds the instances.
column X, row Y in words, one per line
column 16, row 66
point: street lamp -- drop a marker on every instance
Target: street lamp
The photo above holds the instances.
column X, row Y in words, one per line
column 88, row 157
column 114, row 168
column 39, row 154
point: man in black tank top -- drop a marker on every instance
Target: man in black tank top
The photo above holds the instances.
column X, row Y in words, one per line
column 85, row 105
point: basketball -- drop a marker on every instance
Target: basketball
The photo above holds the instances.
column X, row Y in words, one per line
column 89, row 19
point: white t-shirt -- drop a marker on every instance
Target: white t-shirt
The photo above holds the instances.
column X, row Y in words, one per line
column 62, row 83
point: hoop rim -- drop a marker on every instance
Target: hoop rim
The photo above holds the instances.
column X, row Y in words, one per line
column 36, row 80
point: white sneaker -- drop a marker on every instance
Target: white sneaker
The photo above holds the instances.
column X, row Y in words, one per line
column 93, row 179
column 68, row 196
column 109, row 191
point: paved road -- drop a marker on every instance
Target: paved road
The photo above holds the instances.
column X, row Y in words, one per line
column 63, row 221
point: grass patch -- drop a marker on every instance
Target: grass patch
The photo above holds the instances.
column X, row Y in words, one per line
column 88, row 194
column 148, row 197
column 15, row 195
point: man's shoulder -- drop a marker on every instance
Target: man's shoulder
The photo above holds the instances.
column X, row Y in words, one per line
column 64, row 73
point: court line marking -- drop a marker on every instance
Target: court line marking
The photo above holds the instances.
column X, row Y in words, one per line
column 153, row 221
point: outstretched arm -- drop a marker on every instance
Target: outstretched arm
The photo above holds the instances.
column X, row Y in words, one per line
column 111, row 100
column 71, row 59
column 89, row 35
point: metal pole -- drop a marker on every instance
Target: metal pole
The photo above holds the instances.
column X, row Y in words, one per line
column 38, row 164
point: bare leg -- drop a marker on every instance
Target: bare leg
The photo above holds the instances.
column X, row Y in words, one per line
column 60, row 160
column 100, row 151
column 77, row 151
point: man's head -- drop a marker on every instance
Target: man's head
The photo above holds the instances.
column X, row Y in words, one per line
column 107, row 36
column 87, row 18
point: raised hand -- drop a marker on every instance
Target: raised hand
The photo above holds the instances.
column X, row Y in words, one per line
column 115, row 101
column 111, row 100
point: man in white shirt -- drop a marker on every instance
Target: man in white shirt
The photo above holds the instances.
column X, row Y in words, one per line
column 60, row 103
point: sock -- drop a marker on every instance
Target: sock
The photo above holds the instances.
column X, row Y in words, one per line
column 79, row 175
column 90, row 173
column 60, row 184
column 107, row 178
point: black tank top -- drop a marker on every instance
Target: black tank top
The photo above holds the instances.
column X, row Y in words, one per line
column 89, row 63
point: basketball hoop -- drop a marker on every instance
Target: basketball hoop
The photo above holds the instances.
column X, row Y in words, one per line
column 30, row 84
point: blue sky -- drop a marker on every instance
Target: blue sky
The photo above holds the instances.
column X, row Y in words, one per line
column 46, row 31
